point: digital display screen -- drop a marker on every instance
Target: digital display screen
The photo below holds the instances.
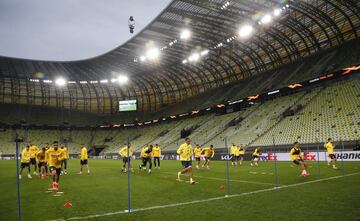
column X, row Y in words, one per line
column 128, row 105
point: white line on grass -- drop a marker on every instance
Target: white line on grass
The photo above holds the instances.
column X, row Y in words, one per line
column 223, row 179
column 204, row 200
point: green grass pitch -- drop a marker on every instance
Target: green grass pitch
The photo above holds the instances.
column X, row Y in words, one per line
column 105, row 191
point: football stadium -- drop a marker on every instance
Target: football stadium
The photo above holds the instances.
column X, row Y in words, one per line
column 207, row 110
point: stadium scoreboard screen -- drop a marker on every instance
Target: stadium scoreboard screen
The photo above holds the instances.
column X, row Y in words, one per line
column 127, row 105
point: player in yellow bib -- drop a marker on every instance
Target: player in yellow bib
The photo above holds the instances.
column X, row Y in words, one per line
column 297, row 158
column 126, row 153
column 33, row 151
column 256, row 157
column 40, row 156
column 241, row 153
column 185, row 152
column 329, row 146
column 54, row 156
column 156, row 151
column 145, row 154
column 84, row 159
column 232, row 152
column 197, row 155
column 25, row 161
column 64, row 161
column 208, row 152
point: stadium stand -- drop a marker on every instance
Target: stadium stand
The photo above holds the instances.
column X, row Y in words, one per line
column 334, row 107
column 334, row 112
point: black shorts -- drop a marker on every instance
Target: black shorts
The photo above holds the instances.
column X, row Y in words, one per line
column 41, row 164
column 32, row 161
column 145, row 160
column 197, row 159
column 298, row 161
column 207, row 159
column 254, row 157
column 186, row 164
column 58, row 170
column 83, row 162
column 127, row 159
column 332, row 156
column 23, row 165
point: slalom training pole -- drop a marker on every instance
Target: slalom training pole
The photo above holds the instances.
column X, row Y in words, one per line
column 17, row 176
column 342, row 158
column 275, row 167
column 128, row 174
column 227, row 167
column 318, row 158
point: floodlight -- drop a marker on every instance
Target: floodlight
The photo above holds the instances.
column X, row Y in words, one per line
column 205, row 52
column 277, row 12
column 152, row 53
column 185, row 34
column 245, row 31
column 142, row 58
column 266, row 19
column 194, row 57
column 60, row 82
column 122, row 79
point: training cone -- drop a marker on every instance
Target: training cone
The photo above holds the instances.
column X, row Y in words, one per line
column 222, row 186
column 68, row 204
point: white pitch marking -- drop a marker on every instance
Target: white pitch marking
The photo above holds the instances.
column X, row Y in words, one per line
column 239, row 181
column 231, row 180
column 204, row 200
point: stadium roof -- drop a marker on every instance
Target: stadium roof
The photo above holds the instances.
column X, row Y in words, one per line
column 213, row 56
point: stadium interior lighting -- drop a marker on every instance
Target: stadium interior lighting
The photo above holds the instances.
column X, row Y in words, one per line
column 185, row 34
column 113, row 80
column 152, row 53
column 277, row 12
column 142, row 58
column 224, row 6
column 60, row 82
column 104, row 81
column 245, row 31
column 194, row 57
column 205, row 52
column 122, row 79
column 71, row 82
column 266, row 19
column 184, row 61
